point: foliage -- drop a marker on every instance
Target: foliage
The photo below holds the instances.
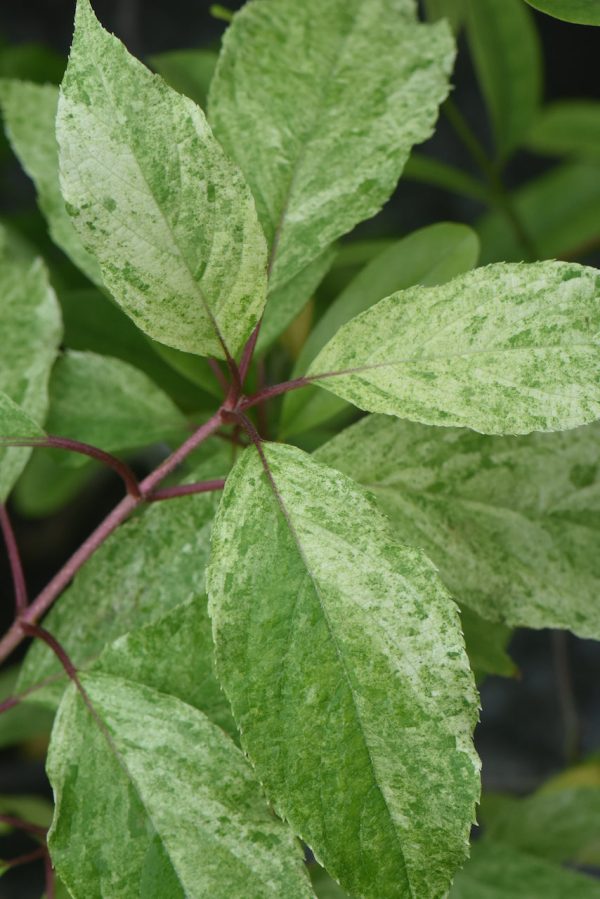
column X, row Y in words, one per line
column 273, row 646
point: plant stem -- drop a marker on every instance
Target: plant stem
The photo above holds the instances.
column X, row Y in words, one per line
column 20, row 824
column 498, row 193
column 186, row 490
column 14, row 558
column 566, row 697
column 52, row 591
column 25, row 859
column 277, row 390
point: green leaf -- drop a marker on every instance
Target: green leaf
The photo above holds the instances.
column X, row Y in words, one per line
column 559, row 825
column 486, row 643
column 157, row 802
column 49, row 482
column 341, row 654
column 323, row 124
column 285, row 303
column 560, row 211
column 138, row 412
column 188, row 72
column 429, row 256
column 325, row 887
column 581, row 12
column 32, row 62
column 152, row 195
column 503, row 349
column 495, row 871
column 174, row 655
column 14, row 422
column 23, row 722
column 506, row 53
column 114, row 334
column 29, row 112
column 427, row 170
column 512, row 523
column 452, row 10
column 31, row 330
column 150, row 565
column 567, row 128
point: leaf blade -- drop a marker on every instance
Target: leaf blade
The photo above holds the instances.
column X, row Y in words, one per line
column 308, row 116
column 169, row 218
column 324, row 614
column 503, row 349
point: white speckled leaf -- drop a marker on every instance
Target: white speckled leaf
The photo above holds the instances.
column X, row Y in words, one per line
column 109, row 403
column 497, row 871
column 320, row 104
column 341, row 654
column 512, row 522
column 152, row 195
column 31, row 330
column 505, row 349
column 29, row 112
column 160, row 804
column 146, row 568
column 174, row 655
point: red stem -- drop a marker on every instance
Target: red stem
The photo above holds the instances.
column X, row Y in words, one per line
column 49, row 876
column 216, row 369
column 20, row 824
column 83, row 449
column 248, row 352
column 44, row 600
column 186, row 490
column 14, row 559
column 25, row 859
column 275, row 390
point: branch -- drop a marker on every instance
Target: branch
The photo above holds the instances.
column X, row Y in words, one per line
column 119, row 514
column 14, row 559
column 83, row 449
column 186, row 490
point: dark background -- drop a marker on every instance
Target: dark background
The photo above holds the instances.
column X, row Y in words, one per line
column 526, row 721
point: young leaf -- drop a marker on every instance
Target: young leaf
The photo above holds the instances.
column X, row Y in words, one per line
column 320, row 105
column 428, row 256
column 173, row 655
column 512, row 523
column 504, row 349
column 31, row 330
column 496, row 871
column 138, row 413
column 560, row 210
column 341, row 654
column 153, row 800
column 568, row 127
column 150, row 565
column 506, row 52
column 154, row 198
column 29, row 112
column 188, row 72
column 581, row 12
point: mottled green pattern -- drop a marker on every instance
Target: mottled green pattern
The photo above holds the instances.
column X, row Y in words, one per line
column 506, row 349
column 512, row 523
column 496, row 871
column 29, row 112
column 14, row 422
column 168, row 217
column 319, row 121
column 505, row 48
column 582, row 12
column 342, row 656
column 174, row 655
column 147, row 567
column 31, row 330
column 160, row 804
column 109, row 403
column 567, row 127
column 428, row 256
